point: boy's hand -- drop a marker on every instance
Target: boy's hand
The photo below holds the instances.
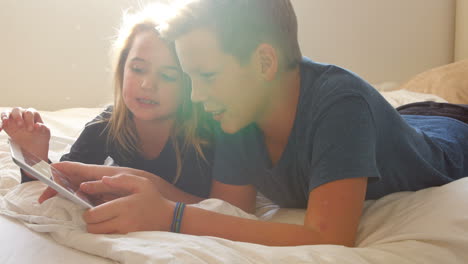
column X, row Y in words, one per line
column 79, row 174
column 141, row 208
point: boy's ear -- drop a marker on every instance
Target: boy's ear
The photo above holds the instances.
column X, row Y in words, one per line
column 267, row 61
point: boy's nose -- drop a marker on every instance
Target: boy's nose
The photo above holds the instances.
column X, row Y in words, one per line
column 198, row 93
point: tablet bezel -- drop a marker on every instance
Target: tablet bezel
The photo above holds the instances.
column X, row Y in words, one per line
column 18, row 158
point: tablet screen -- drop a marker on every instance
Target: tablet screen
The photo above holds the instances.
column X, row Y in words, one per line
column 48, row 171
column 44, row 172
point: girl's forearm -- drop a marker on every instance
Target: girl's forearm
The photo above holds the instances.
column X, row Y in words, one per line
column 171, row 192
column 168, row 190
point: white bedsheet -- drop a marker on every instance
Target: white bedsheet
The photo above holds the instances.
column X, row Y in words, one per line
column 428, row 226
column 20, row 245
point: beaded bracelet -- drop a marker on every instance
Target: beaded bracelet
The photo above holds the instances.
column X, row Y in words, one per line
column 177, row 218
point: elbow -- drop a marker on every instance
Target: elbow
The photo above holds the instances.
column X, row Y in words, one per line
column 347, row 242
column 333, row 238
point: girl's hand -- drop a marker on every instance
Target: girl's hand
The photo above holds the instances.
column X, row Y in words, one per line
column 26, row 128
column 141, row 207
column 78, row 173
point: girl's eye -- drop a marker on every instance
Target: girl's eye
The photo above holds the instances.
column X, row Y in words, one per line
column 168, row 78
column 137, row 69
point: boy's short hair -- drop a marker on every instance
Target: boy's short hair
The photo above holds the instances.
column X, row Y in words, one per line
column 241, row 25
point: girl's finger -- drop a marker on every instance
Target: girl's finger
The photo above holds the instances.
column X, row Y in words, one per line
column 3, row 120
column 28, row 119
column 17, row 116
column 37, row 116
column 4, row 115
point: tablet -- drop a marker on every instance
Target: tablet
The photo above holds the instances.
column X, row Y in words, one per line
column 47, row 174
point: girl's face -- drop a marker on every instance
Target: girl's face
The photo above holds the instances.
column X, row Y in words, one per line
column 152, row 79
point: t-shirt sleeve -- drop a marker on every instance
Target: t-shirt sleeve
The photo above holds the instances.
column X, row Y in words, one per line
column 90, row 147
column 344, row 143
column 236, row 157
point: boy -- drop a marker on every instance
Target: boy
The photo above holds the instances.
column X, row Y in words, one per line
column 304, row 134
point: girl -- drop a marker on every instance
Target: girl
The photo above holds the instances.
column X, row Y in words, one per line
column 152, row 126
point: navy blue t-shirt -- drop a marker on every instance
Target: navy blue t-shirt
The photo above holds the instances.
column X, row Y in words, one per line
column 195, row 177
column 345, row 129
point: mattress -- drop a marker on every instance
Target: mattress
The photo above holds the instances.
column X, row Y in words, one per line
column 427, row 226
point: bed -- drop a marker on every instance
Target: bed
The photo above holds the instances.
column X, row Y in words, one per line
column 428, row 226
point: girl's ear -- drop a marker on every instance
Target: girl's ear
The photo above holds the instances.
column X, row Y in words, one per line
column 266, row 61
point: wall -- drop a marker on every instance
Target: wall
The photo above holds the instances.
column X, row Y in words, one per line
column 461, row 36
column 54, row 54
column 382, row 40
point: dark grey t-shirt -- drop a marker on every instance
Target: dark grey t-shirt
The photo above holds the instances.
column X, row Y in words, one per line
column 345, row 129
column 195, row 177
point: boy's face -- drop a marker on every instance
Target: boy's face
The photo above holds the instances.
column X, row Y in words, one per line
column 234, row 94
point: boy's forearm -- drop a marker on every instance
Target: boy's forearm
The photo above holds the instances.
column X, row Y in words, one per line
column 201, row 222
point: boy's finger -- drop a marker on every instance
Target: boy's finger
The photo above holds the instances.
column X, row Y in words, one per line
column 110, row 226
column 126, row 183
column 78, row 172
column 108, row 197
column 104, row 212
column 100, row 188
column 88, row 172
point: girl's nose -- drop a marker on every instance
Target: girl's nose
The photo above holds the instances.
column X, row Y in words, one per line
column 148, row 83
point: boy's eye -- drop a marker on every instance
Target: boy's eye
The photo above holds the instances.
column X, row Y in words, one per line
column 208, row 75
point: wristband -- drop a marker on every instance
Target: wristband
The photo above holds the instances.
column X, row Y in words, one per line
column 177, row 217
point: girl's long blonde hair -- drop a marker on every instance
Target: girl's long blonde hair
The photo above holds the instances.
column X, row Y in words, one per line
column 191, row 127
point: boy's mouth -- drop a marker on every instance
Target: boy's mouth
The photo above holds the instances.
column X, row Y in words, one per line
column 218, row 115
